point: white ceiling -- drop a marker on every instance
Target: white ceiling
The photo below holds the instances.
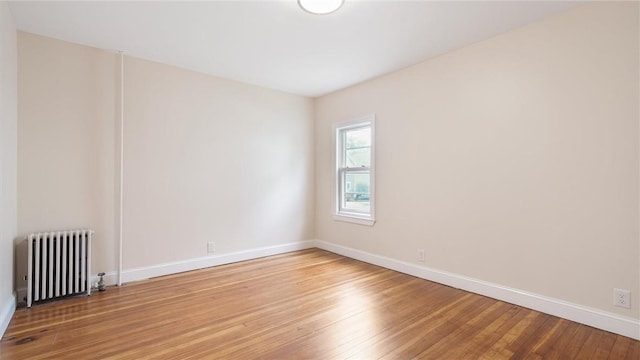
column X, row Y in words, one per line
column 274, row 43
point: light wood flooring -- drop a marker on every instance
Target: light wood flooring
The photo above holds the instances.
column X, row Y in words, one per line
column 308, row 304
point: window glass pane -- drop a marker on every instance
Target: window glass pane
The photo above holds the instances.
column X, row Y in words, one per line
column 357, row 147
column 356, row 138
column 356, row 191
column 358, row 157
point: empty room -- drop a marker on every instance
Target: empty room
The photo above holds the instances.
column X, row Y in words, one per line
column 320, row 179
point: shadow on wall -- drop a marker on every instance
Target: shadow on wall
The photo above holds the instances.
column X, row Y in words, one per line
column 21, row 252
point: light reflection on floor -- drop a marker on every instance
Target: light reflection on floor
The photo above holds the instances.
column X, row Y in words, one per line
column 357, row 320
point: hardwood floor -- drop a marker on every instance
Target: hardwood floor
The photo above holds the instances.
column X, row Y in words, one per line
column 309, row 304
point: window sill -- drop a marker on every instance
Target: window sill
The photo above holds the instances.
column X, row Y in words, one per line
column 354, row 219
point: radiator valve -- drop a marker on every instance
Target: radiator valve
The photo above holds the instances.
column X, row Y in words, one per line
column 101, row 282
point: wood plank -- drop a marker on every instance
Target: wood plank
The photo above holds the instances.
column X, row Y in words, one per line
column 308, row 304
column 488, row 336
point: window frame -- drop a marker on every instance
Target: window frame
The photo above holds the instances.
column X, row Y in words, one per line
column 340, row 170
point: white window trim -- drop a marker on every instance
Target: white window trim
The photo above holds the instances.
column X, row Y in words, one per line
column 354, row 217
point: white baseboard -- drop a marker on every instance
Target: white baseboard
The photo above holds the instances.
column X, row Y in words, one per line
column 6, row 313
column 146, row 272
column 600, row 319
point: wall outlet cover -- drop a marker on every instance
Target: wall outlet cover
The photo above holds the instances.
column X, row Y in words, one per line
column 622, row 298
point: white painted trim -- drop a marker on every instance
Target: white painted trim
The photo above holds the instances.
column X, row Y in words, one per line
column 146, row 272
column 7, row 313
column 600, row 319
column 354, row 219
column 121, row 177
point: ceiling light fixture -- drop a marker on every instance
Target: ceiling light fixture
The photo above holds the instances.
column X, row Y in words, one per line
column 320, row 7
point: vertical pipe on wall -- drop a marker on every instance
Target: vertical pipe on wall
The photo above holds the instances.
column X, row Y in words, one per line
column 121, row 203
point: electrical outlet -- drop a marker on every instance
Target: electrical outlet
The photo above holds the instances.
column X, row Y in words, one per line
column 421, row 255
column 211, row 247
column 622, row 298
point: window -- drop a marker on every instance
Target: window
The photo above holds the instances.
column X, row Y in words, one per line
column 355, row 171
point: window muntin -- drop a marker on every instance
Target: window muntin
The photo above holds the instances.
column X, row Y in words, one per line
column 354, row 171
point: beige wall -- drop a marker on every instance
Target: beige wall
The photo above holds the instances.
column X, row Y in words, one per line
column 8, row 151
column 66, row 146
column 513, row 161
column 206, row 159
